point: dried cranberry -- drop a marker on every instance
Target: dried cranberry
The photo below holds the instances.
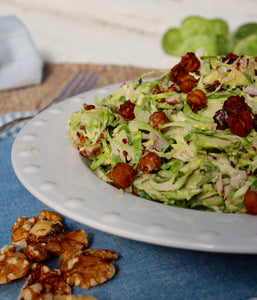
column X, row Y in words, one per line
column 230, row 58
column 241, row 123
column 212, row 87
column 220, row 118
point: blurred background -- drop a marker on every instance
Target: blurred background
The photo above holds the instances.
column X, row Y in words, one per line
column 119, row 39
column 119, row 32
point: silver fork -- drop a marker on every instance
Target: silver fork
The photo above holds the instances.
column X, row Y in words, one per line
column 78, row 84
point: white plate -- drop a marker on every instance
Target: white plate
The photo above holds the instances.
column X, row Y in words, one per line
column 52, row 170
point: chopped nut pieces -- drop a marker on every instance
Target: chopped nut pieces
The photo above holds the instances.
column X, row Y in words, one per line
column 42, row 236
column 87, row 268
column 45, row 225
column 45, row 235
column 44, row 283
column 13, row 265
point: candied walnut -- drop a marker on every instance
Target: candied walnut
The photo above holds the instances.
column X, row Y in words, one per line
column 190, row 62
column 88, row 106
column 149, row 163
column 241, row 123
column 229, row 58
column 187, row 83
column 220, row 118
column 42, row 236
column 122, row 175
column 157, row 119
column 13, row 265
column 235, row 104
column 180, row 72
column 250, row 201
column 86, row 270
column 44, row 283
column 177, row 73
column 197, row 100
column 127, row 111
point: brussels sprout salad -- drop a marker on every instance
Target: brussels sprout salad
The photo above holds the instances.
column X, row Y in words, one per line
column 185, row 138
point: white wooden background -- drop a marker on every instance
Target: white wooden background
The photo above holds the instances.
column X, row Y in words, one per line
column 120, row 32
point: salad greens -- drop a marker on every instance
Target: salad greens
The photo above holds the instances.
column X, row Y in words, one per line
column 212, row 34
column 202, row 165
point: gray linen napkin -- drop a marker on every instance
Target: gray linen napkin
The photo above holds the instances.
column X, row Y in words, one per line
column 20, row 62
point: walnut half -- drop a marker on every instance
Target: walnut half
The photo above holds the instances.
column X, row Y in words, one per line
column 13, row 265
column 44, row 283
column 87, row 268
column 45, row 235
